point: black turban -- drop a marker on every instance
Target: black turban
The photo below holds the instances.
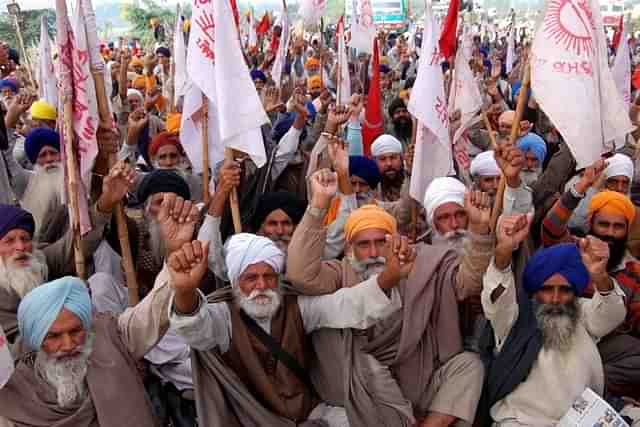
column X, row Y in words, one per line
column 285, row 200
column 162, row 181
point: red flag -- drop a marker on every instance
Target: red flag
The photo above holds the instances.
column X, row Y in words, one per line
column 616, row 36
column 449, row 37
column 264, row 25
column 339, row 28
column 236, row 15
column 373, row 118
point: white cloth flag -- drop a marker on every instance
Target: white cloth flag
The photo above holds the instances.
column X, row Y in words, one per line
column 571, row 80
column 200, row 55
column 511, row 49
column 363, row 29
column 621, row 69
column 344, row 79
column 6, row 361
column 241, row 113
column 253, row 36
column 283, row 48
column 311, row 11
column 464, row 94
column 47, row 82
column 433, row 157
column 179, row 59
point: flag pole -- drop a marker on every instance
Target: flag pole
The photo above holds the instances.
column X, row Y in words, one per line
column 414, row 203
column 515, row 131
column 172, row 95
column 233, row 199
column 23, row 51
column 205, row 148
column 72, row 186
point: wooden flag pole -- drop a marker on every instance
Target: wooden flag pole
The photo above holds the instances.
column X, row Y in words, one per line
column 414, row 203
column 72, row 186
column 27, row 63
column 205, row 148
column 172, row 68
column 515, row 131
column 233, row 199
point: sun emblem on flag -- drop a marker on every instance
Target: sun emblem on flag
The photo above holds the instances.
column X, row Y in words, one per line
column 569, row 23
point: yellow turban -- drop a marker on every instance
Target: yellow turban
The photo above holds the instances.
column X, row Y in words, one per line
column 173, row 122
column 312, row 62
column 614, row 203
column 366, row 218
column 42, row 110
column 314, row 83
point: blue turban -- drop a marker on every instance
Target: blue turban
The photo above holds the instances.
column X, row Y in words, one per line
column 12, row 217
column 384, row 68
column 534, row 143
column 10, row 84
column 40, row 308
column 37, row 139
column 516, row 88
column 163, row 51
column 365, row 168
column 283, row 125
column 258, row 75
column 563, row 259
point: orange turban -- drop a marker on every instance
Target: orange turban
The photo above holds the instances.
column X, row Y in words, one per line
column 139, row 83
column 136, row 62
column 314, row 83
column 614, row 203
column 173, row 122
column 366, row 218
column 312, row 62
column 162, row 139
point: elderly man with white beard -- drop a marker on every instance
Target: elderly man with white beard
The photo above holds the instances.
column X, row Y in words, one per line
column 83, row 371
column 24, row 266
column 535, row 153
column 541, row 351
column 421, row 353
column 251, row 352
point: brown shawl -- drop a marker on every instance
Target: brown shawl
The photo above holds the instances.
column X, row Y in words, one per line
column 222, row 397
column 117, row 396
column 9, row 301
column 388, row 372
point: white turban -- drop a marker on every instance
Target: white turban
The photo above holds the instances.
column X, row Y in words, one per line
column 245, row 249
column 619, row 165
column 484, row 164
column 386, row 144
column 441, row 191
column 136, row 93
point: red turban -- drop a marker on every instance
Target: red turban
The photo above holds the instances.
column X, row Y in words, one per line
column 162, row 139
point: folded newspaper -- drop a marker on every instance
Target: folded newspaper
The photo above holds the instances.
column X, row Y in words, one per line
column 6, row 361
column 590, row 410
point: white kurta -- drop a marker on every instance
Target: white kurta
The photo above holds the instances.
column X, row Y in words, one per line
column 556, row 378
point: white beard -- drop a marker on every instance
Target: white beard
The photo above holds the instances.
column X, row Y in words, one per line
column 67, row 376
column 23, row 279
column 368, row 267
column 261, row 304
column 453, row 239
column 180, row 169
column 530, row 176
column 558, row 324
column 43, row 194
column 156, row 241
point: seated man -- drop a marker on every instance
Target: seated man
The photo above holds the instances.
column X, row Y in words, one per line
column 24, row 266
column 251, row 352
column 541, row 350
column 82, row 371
column 416, row 356
column 610, row 215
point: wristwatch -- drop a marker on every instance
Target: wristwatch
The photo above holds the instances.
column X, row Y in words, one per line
column 575, row 193
column 317, row 212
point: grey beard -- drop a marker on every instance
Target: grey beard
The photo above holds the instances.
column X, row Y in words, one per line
column 530, row 176
column 180, row 169
column 367, row 267
column 67, row 376
column 256, row 304
column 282, row 242
column 23, row 279
column 363, row 197
column 50, row 169
column 453, row 239
column 558, row 323
column 156, row 242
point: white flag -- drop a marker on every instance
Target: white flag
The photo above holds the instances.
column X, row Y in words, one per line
column 511, row 48
column 363, row 29
column 253, row 36
column 344, row 79
column 311, row 11
column 179, row 59
column 283, row 49
column 47, row 82
column 432, row 157
column 621, row 69
column 200, row 55
column 240, row 110
column 464, row 93
column 6, row 361
column 572, row 82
